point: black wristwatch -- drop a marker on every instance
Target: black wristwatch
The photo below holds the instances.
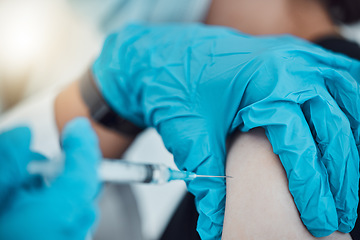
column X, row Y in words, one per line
column 101, row 112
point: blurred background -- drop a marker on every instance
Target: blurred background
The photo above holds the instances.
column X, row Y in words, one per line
column 42, row 43
column 45, row 44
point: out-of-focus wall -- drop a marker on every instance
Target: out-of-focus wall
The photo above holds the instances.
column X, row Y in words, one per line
column 42, row 43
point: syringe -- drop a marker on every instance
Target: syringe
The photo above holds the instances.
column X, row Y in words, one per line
column 121, row 171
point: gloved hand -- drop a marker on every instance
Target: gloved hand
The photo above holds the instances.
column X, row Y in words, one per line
column 13, row 162
column 65, row 209
column 197, row 84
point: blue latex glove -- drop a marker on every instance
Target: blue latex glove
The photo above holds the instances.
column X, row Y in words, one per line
column 14, row 162
column 197, row 84
column 65, row 209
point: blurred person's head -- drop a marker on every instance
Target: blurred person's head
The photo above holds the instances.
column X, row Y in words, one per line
column 308, row 19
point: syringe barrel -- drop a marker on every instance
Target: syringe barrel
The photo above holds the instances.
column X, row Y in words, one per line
column 115, row 171
column 120, row 171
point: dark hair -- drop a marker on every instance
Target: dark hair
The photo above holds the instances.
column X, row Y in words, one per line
column 344, row 11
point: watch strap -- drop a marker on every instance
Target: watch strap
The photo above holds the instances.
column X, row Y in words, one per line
column 101, row 112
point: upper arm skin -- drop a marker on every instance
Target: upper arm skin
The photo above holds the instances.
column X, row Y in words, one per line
column 258, row 202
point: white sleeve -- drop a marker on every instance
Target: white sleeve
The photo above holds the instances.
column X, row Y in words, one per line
column 111, row 15
column 36, row 112
column 179, row 10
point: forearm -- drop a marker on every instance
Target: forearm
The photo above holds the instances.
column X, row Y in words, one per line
column 258, row 202
column 69, row 104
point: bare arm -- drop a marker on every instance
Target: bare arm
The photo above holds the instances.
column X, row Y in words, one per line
column 258, row 202
column 69, row 104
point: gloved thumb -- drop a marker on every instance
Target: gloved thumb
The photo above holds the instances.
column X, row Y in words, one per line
column 82, row 155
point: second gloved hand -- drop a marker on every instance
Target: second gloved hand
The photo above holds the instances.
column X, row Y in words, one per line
column 66, row 209
column 197, row 84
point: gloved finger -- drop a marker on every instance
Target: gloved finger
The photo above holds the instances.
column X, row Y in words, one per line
column 346, row 91
column 209, row 192
column 15, row 155
column 210, row 203
column 82, row 155
column 203, row 152
column 332, row 132
column 20, row 136
column 291, row 139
